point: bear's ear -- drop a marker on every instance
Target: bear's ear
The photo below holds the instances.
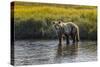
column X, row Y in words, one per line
column 59, row 22
column 53, row 22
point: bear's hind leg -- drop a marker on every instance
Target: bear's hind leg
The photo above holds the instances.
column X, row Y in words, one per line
column 73, row 38
column 77, row 37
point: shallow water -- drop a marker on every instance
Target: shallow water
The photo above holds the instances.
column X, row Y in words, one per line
column 28, row 52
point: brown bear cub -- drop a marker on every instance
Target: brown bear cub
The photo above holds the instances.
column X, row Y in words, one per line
column 69, row 30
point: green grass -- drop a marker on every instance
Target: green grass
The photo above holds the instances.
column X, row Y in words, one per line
column 34, row 20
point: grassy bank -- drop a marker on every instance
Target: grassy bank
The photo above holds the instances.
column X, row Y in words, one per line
column 35, row 20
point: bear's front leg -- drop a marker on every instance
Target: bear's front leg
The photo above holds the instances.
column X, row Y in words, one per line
column 60, row 39
column 67, row 39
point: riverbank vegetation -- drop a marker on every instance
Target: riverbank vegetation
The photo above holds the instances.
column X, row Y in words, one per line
column 34, row 20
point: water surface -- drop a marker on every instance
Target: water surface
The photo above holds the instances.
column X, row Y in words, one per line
column 28, row 52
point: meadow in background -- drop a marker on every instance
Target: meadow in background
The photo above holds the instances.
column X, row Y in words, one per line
column 34, row 20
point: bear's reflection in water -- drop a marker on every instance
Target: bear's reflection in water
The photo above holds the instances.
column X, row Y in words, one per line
column 68, row 52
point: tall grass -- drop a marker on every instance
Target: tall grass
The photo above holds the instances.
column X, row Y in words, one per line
column 35, row 20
